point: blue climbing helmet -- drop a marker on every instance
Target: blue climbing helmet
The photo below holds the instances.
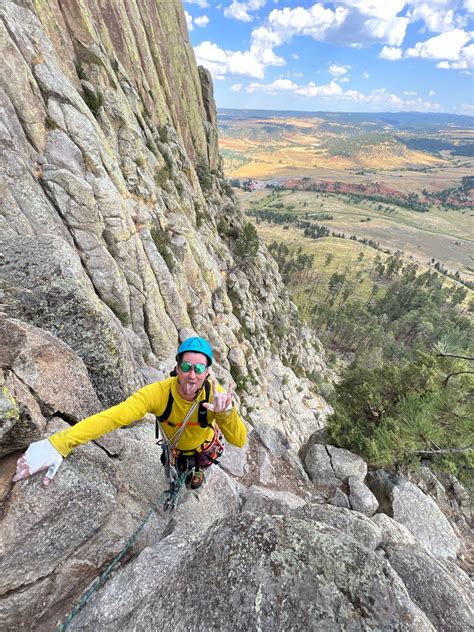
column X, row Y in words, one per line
column 198, row 345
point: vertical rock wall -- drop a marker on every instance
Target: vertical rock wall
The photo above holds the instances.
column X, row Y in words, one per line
column 111, row 197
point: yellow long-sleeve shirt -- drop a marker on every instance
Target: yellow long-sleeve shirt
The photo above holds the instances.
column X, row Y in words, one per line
column 153, row 399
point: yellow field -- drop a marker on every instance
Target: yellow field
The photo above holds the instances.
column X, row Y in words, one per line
column 301, row 147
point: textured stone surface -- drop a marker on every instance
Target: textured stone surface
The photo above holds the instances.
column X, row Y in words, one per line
column 355, row 525
column 267, row 501
column 417, row 511
column 361, row 498
column 430, row 585
column 346, row 464
column 420, row 514
column 318, row 465
column 254, row 564
column 42, row 377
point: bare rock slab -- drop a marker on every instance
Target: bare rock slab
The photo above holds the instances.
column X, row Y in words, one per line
column 261, row 573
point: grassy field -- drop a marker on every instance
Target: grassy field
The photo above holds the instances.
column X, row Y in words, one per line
column 345, row 256
column 446, row 236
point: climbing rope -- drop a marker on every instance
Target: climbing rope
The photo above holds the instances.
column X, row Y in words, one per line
column 170, row 498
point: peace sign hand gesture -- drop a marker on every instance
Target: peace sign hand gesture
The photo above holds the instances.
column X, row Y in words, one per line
column 221, row 402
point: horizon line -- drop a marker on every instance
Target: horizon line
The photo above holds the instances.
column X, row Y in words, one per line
column 396, row 112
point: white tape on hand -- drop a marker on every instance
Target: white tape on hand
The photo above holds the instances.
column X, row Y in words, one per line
column 42, row 455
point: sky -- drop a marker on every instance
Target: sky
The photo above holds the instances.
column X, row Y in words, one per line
column 347, row 55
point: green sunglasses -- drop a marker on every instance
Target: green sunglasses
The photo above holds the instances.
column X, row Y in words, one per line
column 199, row 367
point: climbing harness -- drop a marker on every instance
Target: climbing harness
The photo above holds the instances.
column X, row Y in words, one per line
column 178, row 463
column 174, row 471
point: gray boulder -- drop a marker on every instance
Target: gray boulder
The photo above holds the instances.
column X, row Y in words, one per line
column 346, row 464
column 355, row 526
column 319, row 467
column 261, row 572
column 339, row 499
column 433, row 589
column 327, row 465
column 418, row 512
column 361, row 498
column 268, row 501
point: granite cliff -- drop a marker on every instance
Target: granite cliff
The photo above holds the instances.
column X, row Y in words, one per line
column 120, row 237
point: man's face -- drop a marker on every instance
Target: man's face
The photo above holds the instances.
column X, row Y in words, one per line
column 189, row 382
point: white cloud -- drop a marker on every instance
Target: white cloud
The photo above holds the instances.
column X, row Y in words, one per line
column 237, row 87
column 392, row 53
column 220, row 62
column 262, row 44
column 315, row 21
column 382, row 99
column 365, row 75
column 201, row 21
column 245, row 64
column 285, row 85
column 240, row 10
column 375, row 100
column 437, row 16
column 189, row 21
column 337, row 70
column 374, row 21
column 431, row 93
column 469, row 5
column 203, row 4
column 446, row 46
column 465, row 61
column 467, row 108
column 343, row 79
column 328, row 90
column 354, row 23
column 410, row 93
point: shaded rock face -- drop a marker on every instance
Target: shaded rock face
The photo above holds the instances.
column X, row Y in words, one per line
column 418, row 512
column 339, row 472
column 42, row 377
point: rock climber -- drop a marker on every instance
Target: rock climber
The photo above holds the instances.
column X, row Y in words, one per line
column 192, row 412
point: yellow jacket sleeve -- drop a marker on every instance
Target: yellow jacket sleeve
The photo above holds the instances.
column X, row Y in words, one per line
column 148, row 399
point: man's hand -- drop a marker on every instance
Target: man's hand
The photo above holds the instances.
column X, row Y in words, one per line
column 221, row 402
column 41, row 455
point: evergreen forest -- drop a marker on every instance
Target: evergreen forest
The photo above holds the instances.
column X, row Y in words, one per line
column 403, row 353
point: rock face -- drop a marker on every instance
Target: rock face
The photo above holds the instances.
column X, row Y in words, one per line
column 250, row 563
column 118, row 238
column 407, row 504
column 335, row 470
column 111, row 199
column 41, row 378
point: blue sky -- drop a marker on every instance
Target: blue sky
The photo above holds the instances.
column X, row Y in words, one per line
column 346, row 55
